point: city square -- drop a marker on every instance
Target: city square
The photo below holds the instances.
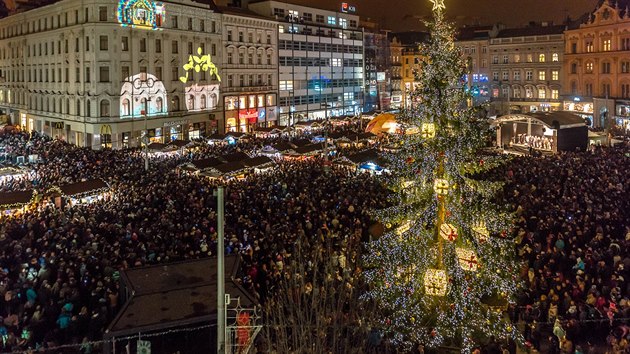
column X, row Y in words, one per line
column 268, row 177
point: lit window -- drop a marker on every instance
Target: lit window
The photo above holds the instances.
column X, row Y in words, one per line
column 335, row 62
column 554, row 94
column 541, row 58
column 541, row 75
column 332, row 20
column 554, row 57
column 281, row 29
column 286, row 85
column 606, row 45
column 555, row 75
column 343, row 23
column 542, row 93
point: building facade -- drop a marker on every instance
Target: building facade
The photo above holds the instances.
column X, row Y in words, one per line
column 112, row 74
column 526, row 69
column 473, row 43
column 395, row 69
column 320, row 60
column 597, row 66
column 249, row 91
column 377, row 62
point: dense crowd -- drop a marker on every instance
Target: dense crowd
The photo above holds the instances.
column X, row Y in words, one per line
column 573, row 231
column 59, row 267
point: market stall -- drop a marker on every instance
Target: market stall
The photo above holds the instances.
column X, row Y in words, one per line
column 15, row 202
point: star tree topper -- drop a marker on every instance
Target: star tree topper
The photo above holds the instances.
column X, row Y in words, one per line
column 438, row 5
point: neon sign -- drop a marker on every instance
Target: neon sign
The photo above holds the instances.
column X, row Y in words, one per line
column 200, row 63
column 141, row 14
column 347, row 8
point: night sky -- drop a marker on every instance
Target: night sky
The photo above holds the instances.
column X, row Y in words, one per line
column 404, row 14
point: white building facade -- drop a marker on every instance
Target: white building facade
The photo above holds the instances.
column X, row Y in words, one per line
column 113, row 74
column 320, row 59
column 250, row 70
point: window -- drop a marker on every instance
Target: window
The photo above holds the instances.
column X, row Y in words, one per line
column 87, row 74
column 308, row 17
column 102, row 13
column 542, row 75
column 104, row 108
column 528, row 92
column 606, row 45
column 505, row 75
column 529, row 75
column 495, row 76
column 542, row 93
column 606, row 68
column 625, row 90
column 124, row 44
column 250, row 58
column 229, row 35
column 554, row 57
column 573, row 68
column 332, row 20
column 530, row 58
column 278, row 12
column 124, row 71
column 190, row 48
column 319, row 18
column 202, row 26
column 625, row 44
column 241, row 37
column 230, row 58
column 554, row 94
column 517, row 58
column 104, row 74
column 158, row 72
column 589, row 89
column 555, row 75
column 241, row 58
column 77, row 75
column 505, row 59
column 335, row 62
column 495, row 59
column 174, row 47
column 286, row 85
column 484, row 63
column 213, row 49
column 589, row 67
column 606, row 90
column 190, row 23
column 343, row 23
column 158, row 46
column 541, row 58
column 484, row 49
column 588, row 46
column 103, row 43
column 625, row 67
column 174, row 73
column 268, row 39
column 87, row 46
column 174, row 22
column 517, row 75
column 143, row 45
column 175, row 103
column 573, row 48
column 230, row 81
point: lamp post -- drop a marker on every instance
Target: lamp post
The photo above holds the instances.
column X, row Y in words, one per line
column 137, row 84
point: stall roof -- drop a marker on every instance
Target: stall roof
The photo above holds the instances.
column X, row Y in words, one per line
column 548, row 119
column 257, row 161
column 176, row 294
column 267, row 130
column 283, row 146
column 206, row 163
column 19, row 197
column 235, row 156
column 229, row 167
column 301, row 142
column 217, row 136
column 83, row 187
column 307, row 149
column 236, row 135
column 179, row 143
column 156, row 146
column 370, row 155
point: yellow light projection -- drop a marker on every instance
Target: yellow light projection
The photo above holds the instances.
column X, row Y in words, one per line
column 200, row 63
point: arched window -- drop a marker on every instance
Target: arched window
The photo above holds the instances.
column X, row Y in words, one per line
column 541, row 57
column 554, row 57
column 88, row 108
column 104, row 108
column 175, row 103
column 573, row 87
column 191, row 102
column 202, row 104
column 589, row 67
column 143, row 104
column 213, row 100
column 529, row 93
column 159, row 106
column 125, row 107
column 67, row 106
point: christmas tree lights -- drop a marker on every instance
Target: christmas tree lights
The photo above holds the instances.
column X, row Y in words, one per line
column 441, row 257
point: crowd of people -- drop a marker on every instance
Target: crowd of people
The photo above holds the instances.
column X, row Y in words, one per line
column 573, row 232
column 60, row 267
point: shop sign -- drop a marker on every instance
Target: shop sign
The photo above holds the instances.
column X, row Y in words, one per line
column 347, row 8
column 176, row 122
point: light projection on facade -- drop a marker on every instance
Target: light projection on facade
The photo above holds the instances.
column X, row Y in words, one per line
column 200, row 63
column 202, row 97
column 142, row 94
column 141, row 14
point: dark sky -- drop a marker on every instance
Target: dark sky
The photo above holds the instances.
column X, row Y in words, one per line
column 404, row 14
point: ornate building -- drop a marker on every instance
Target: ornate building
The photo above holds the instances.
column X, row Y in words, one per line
column 597, row 65
column 112, row 73
column 525, row 66
column 473, row 43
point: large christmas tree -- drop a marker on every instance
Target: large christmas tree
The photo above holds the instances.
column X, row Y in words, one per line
column 443, row 271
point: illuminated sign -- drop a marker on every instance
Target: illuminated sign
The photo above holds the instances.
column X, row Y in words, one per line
column 380, row 76
column 347, row 8
column 141, row 14
column 142, row 94
column 200, row 63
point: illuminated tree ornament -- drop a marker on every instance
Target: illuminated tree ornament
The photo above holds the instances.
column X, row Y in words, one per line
column 448, row 232
column 480, row 231
column 428, row 130
column 404, row 227
column 435, row 282
column 438, row 5
column 467, row 259
column 440, row 186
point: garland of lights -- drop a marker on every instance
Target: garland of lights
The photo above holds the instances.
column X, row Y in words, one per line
column 443, row 272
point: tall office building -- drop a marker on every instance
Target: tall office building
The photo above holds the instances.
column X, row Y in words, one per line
column 320, row 55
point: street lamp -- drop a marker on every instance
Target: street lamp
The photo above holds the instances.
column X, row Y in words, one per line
column 137, row 84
